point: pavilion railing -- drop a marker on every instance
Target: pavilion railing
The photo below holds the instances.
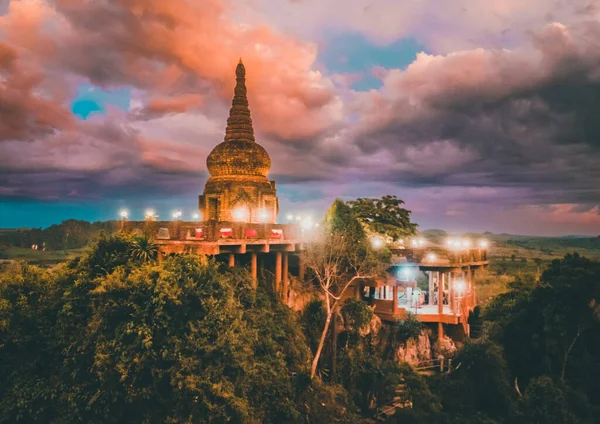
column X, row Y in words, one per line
column 212, row 230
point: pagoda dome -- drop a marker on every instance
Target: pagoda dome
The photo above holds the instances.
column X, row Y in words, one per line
column 239, row 154
column 238, row 157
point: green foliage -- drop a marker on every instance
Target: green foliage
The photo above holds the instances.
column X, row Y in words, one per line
column 144, row 249
column 480, row 384
column 313, row 320
column 384, row 216
column 369, row 380
column 106, row 339
column 545, row 402
column 340, row 219
column 357, row 315
column 409, row 328
column 551, row 329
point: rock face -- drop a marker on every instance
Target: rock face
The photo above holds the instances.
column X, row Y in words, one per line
column 299, row 298
column 415, row 351
column 444, row 347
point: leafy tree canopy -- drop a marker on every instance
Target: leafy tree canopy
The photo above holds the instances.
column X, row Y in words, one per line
column 107, row 339
column 384, row 216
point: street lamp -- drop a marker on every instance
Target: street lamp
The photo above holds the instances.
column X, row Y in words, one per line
column 176, row 215
column 150, row 215
column 124, row 214
column 196, row 217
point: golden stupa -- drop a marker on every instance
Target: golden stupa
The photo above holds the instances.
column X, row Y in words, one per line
column 238, row 188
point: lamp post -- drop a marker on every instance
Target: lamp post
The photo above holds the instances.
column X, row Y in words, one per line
column 124, row 215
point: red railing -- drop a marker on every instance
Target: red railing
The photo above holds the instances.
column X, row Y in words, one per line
column 212, row 230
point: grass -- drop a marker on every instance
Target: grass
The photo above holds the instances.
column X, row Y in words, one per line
column 37, row 257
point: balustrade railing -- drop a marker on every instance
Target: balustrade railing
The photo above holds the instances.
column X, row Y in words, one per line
column 212, row 230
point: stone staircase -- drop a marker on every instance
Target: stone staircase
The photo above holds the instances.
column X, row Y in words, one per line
column 401, row 400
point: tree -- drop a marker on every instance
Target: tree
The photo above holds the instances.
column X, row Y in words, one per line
column 552, row 328
column 109, row 339
column 341, row 257
column 384, row 216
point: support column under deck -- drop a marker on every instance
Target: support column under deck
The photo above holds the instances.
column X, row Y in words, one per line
column 441, row 305
column 301, row 268
column 395, row 299
column 253, row 269
column 231, row 260
column 277, row 272
column 452, row 301
column 286, row 280
column 430, row 294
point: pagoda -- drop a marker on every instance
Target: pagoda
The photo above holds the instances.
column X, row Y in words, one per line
column 238, row 188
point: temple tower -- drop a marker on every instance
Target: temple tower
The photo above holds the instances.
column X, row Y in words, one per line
column 238, row 188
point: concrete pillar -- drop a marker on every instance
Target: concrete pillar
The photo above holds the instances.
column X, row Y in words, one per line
column 301, row 268
column 452, row 301
column 286, row 280
column 231, row 260
column 253, row 269
column 430, row 294
column 395, row 299
column 159, row 256
column 441, row 305
column 277, row 271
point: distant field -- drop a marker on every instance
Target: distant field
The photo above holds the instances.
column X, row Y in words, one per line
column 522, row 257
column 37, row 257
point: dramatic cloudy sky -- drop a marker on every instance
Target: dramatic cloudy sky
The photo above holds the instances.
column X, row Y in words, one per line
column 481, row 115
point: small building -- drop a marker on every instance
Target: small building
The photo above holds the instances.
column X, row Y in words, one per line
column 446, row 293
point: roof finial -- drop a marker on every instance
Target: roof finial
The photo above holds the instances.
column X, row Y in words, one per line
column 240, row 59
column 239, row 123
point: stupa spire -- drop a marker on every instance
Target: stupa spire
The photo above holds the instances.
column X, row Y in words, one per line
column 239, row 123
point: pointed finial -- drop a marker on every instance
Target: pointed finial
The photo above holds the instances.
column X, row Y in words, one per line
column 239, row 123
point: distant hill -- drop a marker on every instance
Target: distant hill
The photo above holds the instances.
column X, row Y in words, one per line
column 69, row 234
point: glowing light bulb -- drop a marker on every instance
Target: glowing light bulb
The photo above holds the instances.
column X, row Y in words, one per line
column 431, row 257
column 263, row 215
column 483, row 244
column 124, row 214
column 307, row 223
column 240, row 214
column 377, row 242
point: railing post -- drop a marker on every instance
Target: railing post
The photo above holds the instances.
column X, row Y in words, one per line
column 441, row 364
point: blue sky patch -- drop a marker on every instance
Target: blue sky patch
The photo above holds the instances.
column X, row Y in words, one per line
column 354, row 53
column 91, row 99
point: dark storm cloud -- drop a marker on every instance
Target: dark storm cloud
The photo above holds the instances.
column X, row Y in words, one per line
column 133, row 183
column 514, row 119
